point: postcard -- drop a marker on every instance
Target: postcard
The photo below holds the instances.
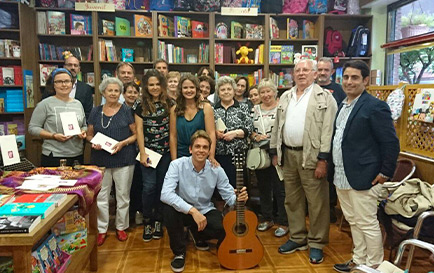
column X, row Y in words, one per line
column 107, row 143
column 9, row 150
column 70, row 124
column 154, row 157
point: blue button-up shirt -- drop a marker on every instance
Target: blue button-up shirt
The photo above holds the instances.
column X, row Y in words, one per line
column 340, row 179
column 185, row 188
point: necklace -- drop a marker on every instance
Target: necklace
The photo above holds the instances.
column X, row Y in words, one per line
column 102, row 118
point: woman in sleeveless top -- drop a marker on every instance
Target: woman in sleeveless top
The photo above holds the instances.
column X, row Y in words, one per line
column 189, row 115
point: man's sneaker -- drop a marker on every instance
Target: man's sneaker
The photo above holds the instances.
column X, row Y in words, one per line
column 178, row 263
column 290, row 247
column 138, row 218
column 147, row 233
column 199, row 244
column 345, row 267
column 158, row 230
column 316, row 255
column 281, row 231
column 265, row 225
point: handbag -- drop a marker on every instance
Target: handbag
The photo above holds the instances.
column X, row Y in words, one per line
column 258, row 157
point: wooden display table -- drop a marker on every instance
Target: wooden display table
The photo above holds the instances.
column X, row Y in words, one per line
column 19, row 245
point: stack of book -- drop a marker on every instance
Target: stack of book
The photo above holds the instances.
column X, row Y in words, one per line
column 14, row 101
column 52, row 52
column 107, row 51
column 171, row 53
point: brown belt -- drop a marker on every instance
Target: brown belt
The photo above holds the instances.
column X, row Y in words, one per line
column 299, row 148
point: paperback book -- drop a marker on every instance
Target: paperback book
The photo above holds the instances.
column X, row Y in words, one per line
column 142, row 26
column 57, row 199
column 291, row 29
column 18, row 224
column 182, row 26
column 56, row 22
column 122, row 27
column 80, row 24
column 26, row 209
column 236, row 30
column 108, row 27
column 199, row 29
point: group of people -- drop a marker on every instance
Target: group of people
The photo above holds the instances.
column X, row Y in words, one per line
column 197, row 124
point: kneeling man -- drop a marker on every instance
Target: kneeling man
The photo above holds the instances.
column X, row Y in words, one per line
column 187, row 190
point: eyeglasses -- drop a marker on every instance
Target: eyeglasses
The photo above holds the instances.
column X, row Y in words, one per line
column 65, row 82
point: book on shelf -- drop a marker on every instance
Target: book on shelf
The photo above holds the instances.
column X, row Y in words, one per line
column 18, row 224
column 309, row 51
column 108, row 28
column 142, row 26
column 120, row 4
column 127, row 54
column 56, row 22
column 338, row 75
column 191, row 58
column 221, row 30
column 182, row 26
column 110, row 50
column 55, row 252
column 41, row 19
column 287, row 54
column 68, row 4
column 236, row 30
column 10, row 48
column 8, row 76
column 274, row 29
column 71, row 242
column 275, row 51
column 24, row 209
column 199, row 29
column 14, row 102
column 203, row 53
column 166, row 26
column 90, row 78
column 45, row 71
column 21, row 142
column 80, row 24
column 253, row 31
column 70, row 222
column 2, row 110
column 308, row 29
column 57, row 199
column 45, row 258
column 122, row 26
column 291, row 29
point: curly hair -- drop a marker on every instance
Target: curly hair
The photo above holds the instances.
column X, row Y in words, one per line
column 148, row 105
column 180, row 100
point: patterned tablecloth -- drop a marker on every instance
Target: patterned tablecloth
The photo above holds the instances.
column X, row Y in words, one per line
column 87, row 187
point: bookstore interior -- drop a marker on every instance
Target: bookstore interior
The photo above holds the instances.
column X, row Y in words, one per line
column 54, row 217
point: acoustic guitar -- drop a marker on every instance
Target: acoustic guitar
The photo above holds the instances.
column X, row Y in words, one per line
column 241, row 248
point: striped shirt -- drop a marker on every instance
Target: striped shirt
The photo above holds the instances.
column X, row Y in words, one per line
column 340, row 179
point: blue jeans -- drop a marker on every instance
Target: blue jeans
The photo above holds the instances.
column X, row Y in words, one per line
column 152, row 180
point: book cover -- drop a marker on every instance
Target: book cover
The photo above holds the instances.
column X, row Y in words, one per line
column 199, row 29
column 291, row 29
column 36, row 263
column 275, row 51
column 90, row 78
column 163, row 26
column 25, row 209
column 309, row 51
column 80, row 24
column 221, row 31
column 253, row 31
column 70, row 222
column 8, row 75
column 68, row 4
column 308, row 29
column 21, row 142
column 2, row 108
column 287, row 54
column 72, row 242
column 423, row 106
column 274, row 29
column 18, row 224
column 236, row 30
column 108, row 27
column 47, row 262
column 122, row 27
column 40, row 198
column 12, row 129
column 56, row 22
column 182, row 26
column 127, row 54
column 42, row 22
column 142, row 26
column 54, row 250
column 45, row 71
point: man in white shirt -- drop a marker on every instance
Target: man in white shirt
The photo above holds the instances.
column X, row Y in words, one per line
column 300, row 143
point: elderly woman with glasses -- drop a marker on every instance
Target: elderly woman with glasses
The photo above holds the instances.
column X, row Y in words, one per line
column 47, row 124
column 116, row 121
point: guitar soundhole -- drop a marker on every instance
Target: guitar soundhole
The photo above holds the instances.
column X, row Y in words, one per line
column 240, row 229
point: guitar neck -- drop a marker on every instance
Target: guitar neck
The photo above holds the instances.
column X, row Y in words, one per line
column 240, row 207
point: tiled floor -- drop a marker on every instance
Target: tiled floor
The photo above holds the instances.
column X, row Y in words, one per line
column 136, row 256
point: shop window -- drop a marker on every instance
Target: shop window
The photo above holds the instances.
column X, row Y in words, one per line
column 409, row 61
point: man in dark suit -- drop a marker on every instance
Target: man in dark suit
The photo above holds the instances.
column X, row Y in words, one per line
column 80, row 90
column 365, row 149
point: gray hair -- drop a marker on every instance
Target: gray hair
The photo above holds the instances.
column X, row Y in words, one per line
column 312, row 62
column 266, row 82
column 110, row 80
column 326, row 60
column 222, row 81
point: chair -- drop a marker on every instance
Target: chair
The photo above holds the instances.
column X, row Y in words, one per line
column 387, row 267
column 405, row 169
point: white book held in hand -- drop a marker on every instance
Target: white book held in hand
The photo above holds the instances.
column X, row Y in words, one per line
column 9, row 150
column 153, row 158
column 107, row 143
column 220, row 125
column 70, row 124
